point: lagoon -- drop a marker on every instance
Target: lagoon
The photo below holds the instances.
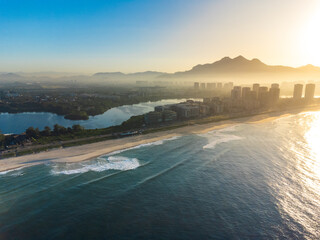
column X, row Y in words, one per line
column 19, row 122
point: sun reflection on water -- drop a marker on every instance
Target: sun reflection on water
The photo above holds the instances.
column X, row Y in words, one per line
column 298, row 187
column 312, row 162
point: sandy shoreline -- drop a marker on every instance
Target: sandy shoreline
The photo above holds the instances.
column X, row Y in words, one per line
column 93, row 150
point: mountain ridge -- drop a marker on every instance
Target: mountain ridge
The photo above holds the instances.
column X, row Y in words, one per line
column 226, row 66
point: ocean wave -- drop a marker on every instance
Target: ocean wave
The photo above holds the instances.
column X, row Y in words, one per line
column 155, row 143
column 99, row 165
column 13, row 172
column 222, row 130
column 220, row 138
column 227, row 129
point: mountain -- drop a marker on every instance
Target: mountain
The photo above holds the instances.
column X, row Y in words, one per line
column 240, row 66
column 239, row 69
column 309, row 68
column 108, row 74
column 10, row 77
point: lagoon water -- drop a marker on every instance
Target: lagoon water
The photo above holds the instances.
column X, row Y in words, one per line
column 249, row 181
column 19, row 122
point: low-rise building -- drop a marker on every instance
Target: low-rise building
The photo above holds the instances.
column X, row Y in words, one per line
column 153, row 117
column 186, row 110
column 169, row 116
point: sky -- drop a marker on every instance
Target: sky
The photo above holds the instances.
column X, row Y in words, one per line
column 88, row 36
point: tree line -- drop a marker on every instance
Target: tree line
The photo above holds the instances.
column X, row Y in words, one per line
column 56, row 131
column 35, row 133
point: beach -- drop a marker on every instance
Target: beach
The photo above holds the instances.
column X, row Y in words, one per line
column 93, row 150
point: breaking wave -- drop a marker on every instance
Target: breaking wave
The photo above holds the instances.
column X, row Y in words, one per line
column 216, row 137
column 221, row 138
column 13, row 172
column 99, row 165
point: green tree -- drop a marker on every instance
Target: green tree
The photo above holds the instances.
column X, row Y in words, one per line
column 59, row 130
column 77, row 128
column 46, row 131
column 31, row 132
column 2, row 138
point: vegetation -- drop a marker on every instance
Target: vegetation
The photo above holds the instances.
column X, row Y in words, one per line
column 80, row 115
column 60, row 136
column 80, row 103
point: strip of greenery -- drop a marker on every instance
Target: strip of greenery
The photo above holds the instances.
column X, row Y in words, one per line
column 82, row 136
column 83, row 142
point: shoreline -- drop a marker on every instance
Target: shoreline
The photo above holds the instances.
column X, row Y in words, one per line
column 94, row 150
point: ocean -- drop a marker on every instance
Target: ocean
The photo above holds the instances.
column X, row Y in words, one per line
column 248, row 181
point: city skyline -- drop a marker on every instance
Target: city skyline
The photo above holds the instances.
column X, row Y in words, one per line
column 167, row 36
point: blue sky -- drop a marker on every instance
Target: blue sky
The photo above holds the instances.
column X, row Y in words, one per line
column 137, row 35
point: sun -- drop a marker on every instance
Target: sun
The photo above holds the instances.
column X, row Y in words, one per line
column 310, row 39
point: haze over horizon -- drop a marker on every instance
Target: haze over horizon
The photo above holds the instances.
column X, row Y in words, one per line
column 167, row 36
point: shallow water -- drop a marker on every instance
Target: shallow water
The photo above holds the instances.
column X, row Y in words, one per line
column 249, row 181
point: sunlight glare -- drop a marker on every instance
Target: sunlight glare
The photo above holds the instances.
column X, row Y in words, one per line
column 312, row 137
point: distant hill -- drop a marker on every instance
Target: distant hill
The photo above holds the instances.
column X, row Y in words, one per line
column 241, row 65
column 237, row 69
column 9, row 75
column 129, row 75
column 309, row 68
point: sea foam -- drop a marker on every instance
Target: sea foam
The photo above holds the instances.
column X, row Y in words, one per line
column 220, row 138
column 216, row 137
column 13, row 172
column 99, row 165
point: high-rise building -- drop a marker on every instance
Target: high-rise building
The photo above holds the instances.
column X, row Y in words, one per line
column 252, row 95
column 297, row 92
column 236, row 93
column 210, row 85
column 274, row 95
column 228, row 85
column 263, row 95
column 309, row 93
column 196, row 85
column 245, row 92
column 203, row 85
column 262, row 90
column 255, row 88
column 275, row 85
column 219, row 85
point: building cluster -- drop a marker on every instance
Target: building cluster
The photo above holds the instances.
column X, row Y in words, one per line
column 172, row 112
column 214, row 85
column 308, row 95
column 241, row 99
column 255, row 97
